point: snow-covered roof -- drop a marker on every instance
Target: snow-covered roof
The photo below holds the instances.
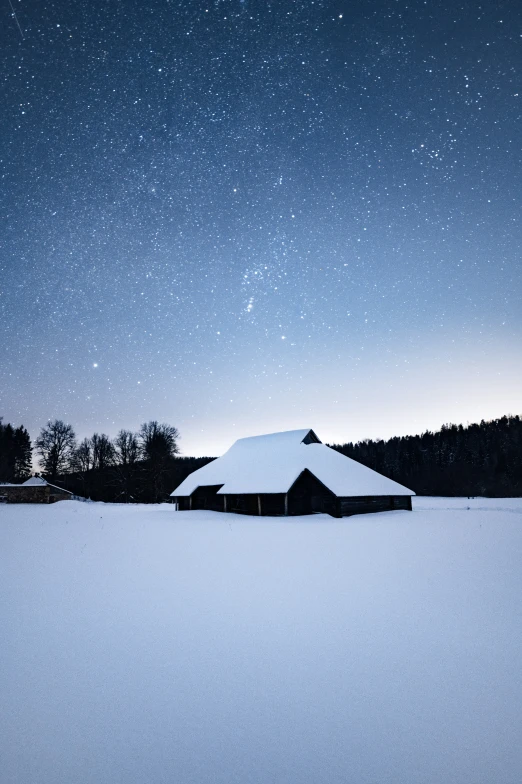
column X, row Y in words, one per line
column 38, row 481
column 272, row 463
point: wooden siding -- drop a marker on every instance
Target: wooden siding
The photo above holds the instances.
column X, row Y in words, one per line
column 367, row 504
column 269, row 504
column 207, row 498
column 272, row 504
column 306, row 496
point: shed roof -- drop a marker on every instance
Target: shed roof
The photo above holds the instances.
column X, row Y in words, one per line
column 38, row 481
column 272, row 463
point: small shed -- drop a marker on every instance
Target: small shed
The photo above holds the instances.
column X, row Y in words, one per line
column 33, row 491
column 289, row 473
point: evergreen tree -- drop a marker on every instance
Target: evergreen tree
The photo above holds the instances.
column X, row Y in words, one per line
column 6, row 452
column 23, row 454
column 480, row 459
column 15, row 453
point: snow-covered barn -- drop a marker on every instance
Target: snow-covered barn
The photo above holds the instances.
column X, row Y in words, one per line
column 290, row 473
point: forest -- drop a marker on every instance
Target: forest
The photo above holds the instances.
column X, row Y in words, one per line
column 133, row 467
column 482, row 459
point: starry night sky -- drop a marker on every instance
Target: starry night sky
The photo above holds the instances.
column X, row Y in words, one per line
column 242, row 216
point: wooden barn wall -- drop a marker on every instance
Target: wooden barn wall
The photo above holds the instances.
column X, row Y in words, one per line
column 271, row 504
column 207, row 498
column 308, row 495
column 27, row 494
column 367, row 504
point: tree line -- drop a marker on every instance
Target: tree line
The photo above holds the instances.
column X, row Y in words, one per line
column 15, row 453
column 141, row 466
column 480, row 459
column 145, row 466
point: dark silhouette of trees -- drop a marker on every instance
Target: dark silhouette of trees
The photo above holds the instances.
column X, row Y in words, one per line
column 90, row 462
column 132, row 467
column 81, row 465
column 15, row 453
column 158, row 446
column 6, row 452
column 81, row 458
column 158, row 442
column 137, row 467
column 23, row 454
column 56, row 445
column 480, row 459
column 102, row 451
column 126, row 448
column 126, row 457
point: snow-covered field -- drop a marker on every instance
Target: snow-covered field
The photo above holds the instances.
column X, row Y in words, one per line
column 140, row 645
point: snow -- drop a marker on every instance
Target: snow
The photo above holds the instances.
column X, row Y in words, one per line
column 140, row 644
column 272, row 463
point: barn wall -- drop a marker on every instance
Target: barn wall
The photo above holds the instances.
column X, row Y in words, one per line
column 207, row 498
column 367, row 504
column 26, row 494
column 308, row 495
column 272, row 504
column 402, row 502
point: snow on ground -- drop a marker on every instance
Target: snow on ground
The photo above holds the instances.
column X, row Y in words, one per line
column 144, row 646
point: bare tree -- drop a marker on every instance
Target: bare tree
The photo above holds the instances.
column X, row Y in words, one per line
column 81, row 460
column 158, row 445
column 158, row 442
column 102, row 451
column 126, row 448
column 126, row 456
column 55, row 445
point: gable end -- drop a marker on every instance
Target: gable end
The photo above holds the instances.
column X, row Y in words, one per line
column 311, row 438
